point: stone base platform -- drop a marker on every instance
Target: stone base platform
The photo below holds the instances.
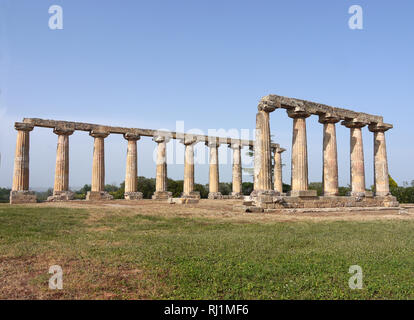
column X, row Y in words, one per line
column 236, row 195
column 215, row 196
column 98, row 196
column 303, row 193
column 274, row 204
column 191, row 195
column 133, row 196
column 161, row 195
column 183, row 200
column 61, row 196
column 17, row 197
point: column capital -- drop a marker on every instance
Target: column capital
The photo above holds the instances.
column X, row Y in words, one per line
column 235, row 145
column 379, row 127
column 63, row 131
column 279, row 150
column 189, row 140
column 22, row 126
column 213, row 142
column 329, row 118
column 98, row 134
column 298, row 112
column 130, row 136
column 161, row 138
column 354, row 123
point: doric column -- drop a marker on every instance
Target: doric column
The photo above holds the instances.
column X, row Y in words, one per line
column 262, row 152
column 330, row 155
column 161, row 192
column 214, row 192
column 381, row 177
column 237, row 192
column 61, row 188
column 277, row 170
column 188, row 190
column 98, row 168
column 20, row 189
column 131, row 172
column 299, row 154
column 357, row 157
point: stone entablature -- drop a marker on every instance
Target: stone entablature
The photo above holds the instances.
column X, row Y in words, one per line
column 275, row 101
column 64, row 129
column 89, row 127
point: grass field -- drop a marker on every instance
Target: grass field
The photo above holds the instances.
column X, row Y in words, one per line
column 112, row 253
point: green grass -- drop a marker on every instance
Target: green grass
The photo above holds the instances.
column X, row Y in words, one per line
column 207, row 259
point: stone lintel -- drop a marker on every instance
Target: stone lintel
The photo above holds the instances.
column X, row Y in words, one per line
column 21, row 126
column 317, row 108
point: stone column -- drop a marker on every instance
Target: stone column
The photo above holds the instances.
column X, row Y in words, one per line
column 161, row 192
column 214, row 192
column 98, row 168
column 61, row 188
column 188, row 190
column 262, row 152
column 357, row 157
column 299, row 180
column 330, row 155
column 131, row 174
column 381, row 176
column 20, row 189
column 277, row 170
column 237, row 192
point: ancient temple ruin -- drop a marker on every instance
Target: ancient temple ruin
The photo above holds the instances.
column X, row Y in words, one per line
column 267, row 195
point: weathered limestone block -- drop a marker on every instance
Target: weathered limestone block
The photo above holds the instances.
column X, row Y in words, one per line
column 22, row 196
column 133, row 195
column 161, row 195
column 215, row 196
column 184, row 200
column 61, row 196
column 98, row 196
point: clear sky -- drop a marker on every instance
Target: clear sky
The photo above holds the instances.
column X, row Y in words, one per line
column 151, row 63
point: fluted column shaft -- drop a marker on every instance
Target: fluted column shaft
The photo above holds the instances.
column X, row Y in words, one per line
column 237, row 169
column 62, row 161
column 214, row 169
column 98, row 165
column 131, row 174
column 188, row 168
column 262, row 153
column 21, row 159
column 357, row 157
column 161, row 171
column 299, row 151
column 381, row 176
column 277, row 171
column 330, row 156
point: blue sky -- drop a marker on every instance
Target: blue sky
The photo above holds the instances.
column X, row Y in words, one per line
column 151, row 63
